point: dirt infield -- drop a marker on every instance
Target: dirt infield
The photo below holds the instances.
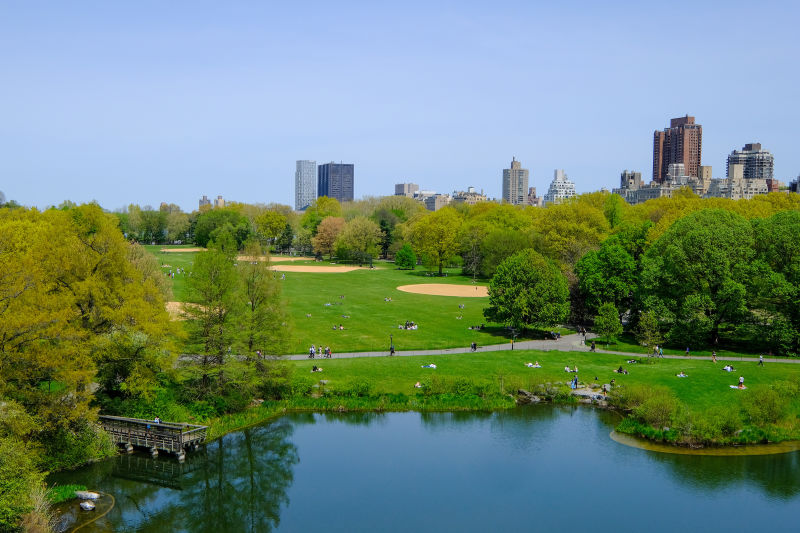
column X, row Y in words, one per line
column 446, row 289
column 273, row 258
column 316, row 269
column 176, row 250
column 176, row 310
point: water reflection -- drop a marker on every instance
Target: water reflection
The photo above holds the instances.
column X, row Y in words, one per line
column 237, row 483
column 460, row 470
column 775, row 475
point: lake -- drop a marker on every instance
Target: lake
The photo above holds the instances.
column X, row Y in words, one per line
column 531, row 468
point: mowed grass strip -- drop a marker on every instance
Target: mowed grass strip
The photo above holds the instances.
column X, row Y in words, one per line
column 706, row 386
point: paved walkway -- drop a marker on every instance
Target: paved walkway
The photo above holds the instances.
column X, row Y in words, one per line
column 567, row 343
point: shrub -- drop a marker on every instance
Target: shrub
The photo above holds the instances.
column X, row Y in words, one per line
column 405, row 258
column 632, row 396
column 302, row 385
column 764, row 405
column 359, row 388
column 657, row 410
column 19, row 480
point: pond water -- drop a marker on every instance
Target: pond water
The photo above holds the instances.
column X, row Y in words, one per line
column 532, row 468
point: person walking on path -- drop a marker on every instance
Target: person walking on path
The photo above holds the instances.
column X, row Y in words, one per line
column 714, row 356
column 761, row 360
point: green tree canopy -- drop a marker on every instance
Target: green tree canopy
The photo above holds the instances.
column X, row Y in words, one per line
column 405, row 258
column 606, row 275
column 322, row 208
column 695, row 276
column 607, row 323
column 359, row 239
column 528, row 291
column 436, row 235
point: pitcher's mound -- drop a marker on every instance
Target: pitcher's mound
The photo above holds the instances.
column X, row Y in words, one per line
column 446, row 289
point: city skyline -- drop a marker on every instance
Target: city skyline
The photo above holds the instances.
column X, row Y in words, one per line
column 116, row 105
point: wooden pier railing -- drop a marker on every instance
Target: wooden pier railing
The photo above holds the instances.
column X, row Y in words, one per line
column 165, row 436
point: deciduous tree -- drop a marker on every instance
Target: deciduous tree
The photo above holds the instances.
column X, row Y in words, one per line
column 528, row 291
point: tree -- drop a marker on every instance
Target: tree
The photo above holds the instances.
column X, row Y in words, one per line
column 567, row 231
column 264, row 323
column 405, row 258
column 648, row 332
column 436, row 235
column 528, row 291
column 72, row 299
column 269, row 225
column 359, row 239
column 776, row 285
column 212, row 219
column 177, row 226
column 327, row 233
column 286, row 238
column 695, row 276
column 607, row 323
column 214, row 293
column 322, row 208
column 498, row 245
column 606, row 275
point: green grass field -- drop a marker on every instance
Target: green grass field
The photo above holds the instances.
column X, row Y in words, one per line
column 706, row 386
column 368, row 319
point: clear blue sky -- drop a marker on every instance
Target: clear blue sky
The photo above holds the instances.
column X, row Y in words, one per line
column 157, row 101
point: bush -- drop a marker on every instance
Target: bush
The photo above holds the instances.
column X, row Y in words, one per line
column 359, row 388
column 657, row 410
column 405, row 258
column 764, row 405
column 302, row 385
column 713, row 426
column 65, row 448
column 632, row 396
column 19, row 480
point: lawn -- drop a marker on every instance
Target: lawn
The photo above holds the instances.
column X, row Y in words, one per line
column 706, row 386
column 370, row 322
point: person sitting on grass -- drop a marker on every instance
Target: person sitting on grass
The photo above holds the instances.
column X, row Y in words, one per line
column 728, row 368
column 417, row 385
column 566, row 369
column 316, row 369
column 681, row 374
column 621, row 370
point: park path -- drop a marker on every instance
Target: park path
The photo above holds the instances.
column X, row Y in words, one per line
column 567, row 343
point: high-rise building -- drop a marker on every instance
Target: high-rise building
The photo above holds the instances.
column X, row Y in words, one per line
column 305, row 184
column 682, row 142
column 219, row 203
column 406, row 189
column 515, row 183
column 204, row 201
column 335, row 180
column 560, row 189
column 756, row 163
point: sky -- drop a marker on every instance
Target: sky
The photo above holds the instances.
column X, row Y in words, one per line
column 149, row 101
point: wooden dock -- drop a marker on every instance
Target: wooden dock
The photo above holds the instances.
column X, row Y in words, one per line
column 173, row 437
